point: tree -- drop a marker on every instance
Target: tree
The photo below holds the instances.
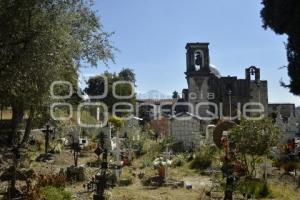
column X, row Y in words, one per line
column 160, row 126
column 253, row 139
column 127, row 74
column 116, row 122
column 283, row 17
column 95, row 86
column 44, row 41
column 175, row 95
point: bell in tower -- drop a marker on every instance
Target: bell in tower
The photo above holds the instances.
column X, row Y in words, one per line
column 253, row 71
column 198, row 60
column 197, row 57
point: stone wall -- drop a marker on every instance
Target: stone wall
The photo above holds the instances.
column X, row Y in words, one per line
column 189, row 132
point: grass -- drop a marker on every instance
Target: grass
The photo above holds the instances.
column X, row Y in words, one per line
column 284, row 191
column 53, row 193
column 136, row 192
column 6, row 114
column 180, row 172
column 279, row 190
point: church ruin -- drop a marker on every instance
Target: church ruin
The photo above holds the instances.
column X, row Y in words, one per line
column 228, row 93
column 205, row 84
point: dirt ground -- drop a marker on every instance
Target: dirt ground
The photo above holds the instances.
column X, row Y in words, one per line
column 201, row 184
column 134, row 191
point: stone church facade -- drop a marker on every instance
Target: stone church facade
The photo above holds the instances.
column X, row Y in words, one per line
column 205, row 84
column 229, row 93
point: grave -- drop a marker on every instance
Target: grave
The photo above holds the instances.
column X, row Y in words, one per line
column 46, row 157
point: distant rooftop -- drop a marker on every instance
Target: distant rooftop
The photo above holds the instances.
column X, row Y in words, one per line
column 157, row 101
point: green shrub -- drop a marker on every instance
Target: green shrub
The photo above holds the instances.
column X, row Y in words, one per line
column 54, row 193
column 255, row 187
column 126, row 177
column 152, row 149
column 177, row 147
column 200, row 162
column 111, row 179
column 138, row 146
column 146, row 163
column 178, row 161
column 264, row 191
column 125, row 181
column 151, row 181
column 146, row 180
column 203, row 158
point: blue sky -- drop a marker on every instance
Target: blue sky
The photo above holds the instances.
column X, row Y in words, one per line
column 151, row 36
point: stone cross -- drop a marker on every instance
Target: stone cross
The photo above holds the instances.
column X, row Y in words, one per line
column 167, row 157
column 117, row 153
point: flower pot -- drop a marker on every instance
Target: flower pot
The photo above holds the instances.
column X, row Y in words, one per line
column 162, row 171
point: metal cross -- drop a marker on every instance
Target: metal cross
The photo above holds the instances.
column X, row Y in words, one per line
column 47, row 132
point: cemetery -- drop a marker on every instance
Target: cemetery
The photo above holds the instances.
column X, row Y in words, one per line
column 66, row 135
column 123, row 161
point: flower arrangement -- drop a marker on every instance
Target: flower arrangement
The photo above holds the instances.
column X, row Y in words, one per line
column 160, row 164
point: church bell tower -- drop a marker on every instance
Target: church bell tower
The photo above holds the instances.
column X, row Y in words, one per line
column 197, row 75
column 197, row 58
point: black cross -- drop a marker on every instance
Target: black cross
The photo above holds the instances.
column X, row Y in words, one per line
column 100, row 180
column 75, row 146
column 47, row 132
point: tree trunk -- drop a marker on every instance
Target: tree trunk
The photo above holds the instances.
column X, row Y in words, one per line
column 17, row 116
column 246, row 163
column 75, row 157
column 1, row 112
column 28, row 125
column 228, row 193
